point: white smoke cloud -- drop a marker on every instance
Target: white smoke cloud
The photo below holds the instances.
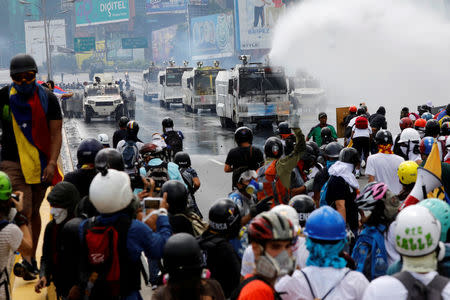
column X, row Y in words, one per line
column 383, row 52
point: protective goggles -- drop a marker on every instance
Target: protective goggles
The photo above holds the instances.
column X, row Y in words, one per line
column 28, row 76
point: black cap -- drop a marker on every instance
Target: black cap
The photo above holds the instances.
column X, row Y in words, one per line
column 322, row 114
column 22, row 63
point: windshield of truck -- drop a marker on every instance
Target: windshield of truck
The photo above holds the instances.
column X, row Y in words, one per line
column 205, row 82
column 93, row 92
column 153, row 75
column 262, row 83
column 111, row 91
column 173, row 79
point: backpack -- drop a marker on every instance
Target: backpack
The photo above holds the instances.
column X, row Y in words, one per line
column 174, row 141
column 198, row 225
column 417, row 290
column 361, row 122
column 323, row 194
column 272, row 185
column 107, row 256
column 160, row 174
column 369, row 253
column 130, row 154
column 237, row 291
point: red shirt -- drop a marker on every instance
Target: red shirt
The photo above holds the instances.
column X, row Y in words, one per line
column 256, row 289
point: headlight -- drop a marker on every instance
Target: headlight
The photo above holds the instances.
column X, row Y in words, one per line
column 91, row 102
column 117, row 102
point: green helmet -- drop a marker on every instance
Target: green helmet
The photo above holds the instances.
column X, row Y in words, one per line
column 441, row 211
column 5, row 186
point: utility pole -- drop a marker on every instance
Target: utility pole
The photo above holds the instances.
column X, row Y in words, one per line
column 48, row 55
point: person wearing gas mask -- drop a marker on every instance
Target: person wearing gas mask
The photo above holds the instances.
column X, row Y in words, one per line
column 63, row 199
column 326, row 274
column 272, row 236
column 244, row 196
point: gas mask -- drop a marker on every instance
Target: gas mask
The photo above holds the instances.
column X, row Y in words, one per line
column 272, row 267
column 253, row 187
column 59, row 214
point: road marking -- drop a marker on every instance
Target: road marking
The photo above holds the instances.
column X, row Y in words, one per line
column 217, row 162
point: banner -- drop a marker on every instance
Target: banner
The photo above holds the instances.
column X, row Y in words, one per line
column 165, row 6
column 90, row 12
column 255, row 21
column 163, row 43
column 212, row 36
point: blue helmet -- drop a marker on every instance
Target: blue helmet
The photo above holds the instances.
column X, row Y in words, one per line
column 426, row 144
column 427, row 116
column 327, row 224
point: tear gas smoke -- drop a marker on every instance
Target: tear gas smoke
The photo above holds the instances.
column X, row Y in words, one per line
column 382, row 52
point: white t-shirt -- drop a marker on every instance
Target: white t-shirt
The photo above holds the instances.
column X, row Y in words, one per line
column 388, row 287
column 352, row 122
column 299, row 251
column 361, row 132
column 10, row 239
column 322, row 280
column 389, row 244
column 384, row 168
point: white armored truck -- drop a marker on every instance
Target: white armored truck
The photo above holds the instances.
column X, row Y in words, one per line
column 150, row 82
column 170, row 89
column 199, row 86
column 252, row 93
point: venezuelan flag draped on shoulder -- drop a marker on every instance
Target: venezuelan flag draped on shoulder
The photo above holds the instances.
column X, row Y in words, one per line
column 32, row 135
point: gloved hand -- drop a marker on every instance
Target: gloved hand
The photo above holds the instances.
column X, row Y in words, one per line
column 309, row 185
column 261, row 206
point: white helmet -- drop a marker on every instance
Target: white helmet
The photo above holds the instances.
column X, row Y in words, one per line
column 103, row 138
column 409, row 135
column 111, row 192
column 289, row 212
column 417, row 232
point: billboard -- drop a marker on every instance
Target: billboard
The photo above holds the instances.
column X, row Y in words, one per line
column 134, row 43
column 114, row 50
column 163, row 43
column 90, row 12
column 165, row 6
column 35, row 38
column 255, row 21
column 212, row 36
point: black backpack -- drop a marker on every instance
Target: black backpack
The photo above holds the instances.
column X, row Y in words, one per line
column 419, row 291
column 174, row 141
column 160, row 174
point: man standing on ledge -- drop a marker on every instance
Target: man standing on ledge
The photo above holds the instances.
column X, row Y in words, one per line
column 31, row 121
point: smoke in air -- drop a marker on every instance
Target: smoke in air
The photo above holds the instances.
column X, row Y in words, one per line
column 382, row 52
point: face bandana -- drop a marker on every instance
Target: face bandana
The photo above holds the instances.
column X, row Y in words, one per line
column 25, row 88
column 59, row 214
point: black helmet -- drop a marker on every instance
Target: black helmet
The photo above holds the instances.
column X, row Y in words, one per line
column 273, row 147
column 182, row 159
column 182, row 257
column 314, row 146
column 445, row 129
column 432, row 128
column 224, row 217
column 423, row 109
column 22, row 63
column 304, row 205
column 242, row 135
column 325, row 134
column 167, row 123
column 177, row 195
column 132, row 128
column 383, row 137
column 333, row 149
column 361, row 111
column 309, row 157
column 109, row 158
column 87, row 150
column 350, row 155
column 123, row 121
column 283, row 128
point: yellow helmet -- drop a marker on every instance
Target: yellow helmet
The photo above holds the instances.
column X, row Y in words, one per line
column 407, row 172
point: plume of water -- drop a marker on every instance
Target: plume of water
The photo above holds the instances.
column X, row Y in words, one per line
column 382, row 52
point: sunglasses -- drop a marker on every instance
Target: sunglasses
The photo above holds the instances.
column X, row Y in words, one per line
column 28, row 76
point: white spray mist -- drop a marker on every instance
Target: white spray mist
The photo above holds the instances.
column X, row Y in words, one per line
column 382, row 52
